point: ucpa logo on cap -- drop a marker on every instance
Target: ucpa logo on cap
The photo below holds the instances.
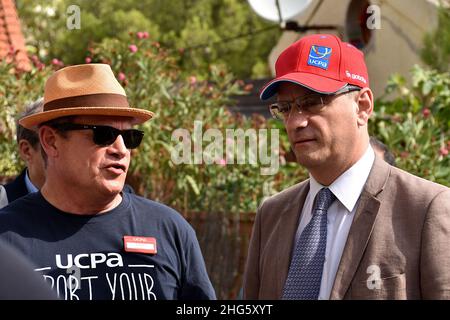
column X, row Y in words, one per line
column 319, row 57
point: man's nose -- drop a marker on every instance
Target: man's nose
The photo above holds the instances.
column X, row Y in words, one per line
column 296, row 119
column 118, row 147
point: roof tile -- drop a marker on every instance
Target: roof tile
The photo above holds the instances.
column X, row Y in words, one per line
column 11, row 37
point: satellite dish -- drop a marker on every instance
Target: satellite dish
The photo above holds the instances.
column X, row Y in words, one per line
column 288, row 8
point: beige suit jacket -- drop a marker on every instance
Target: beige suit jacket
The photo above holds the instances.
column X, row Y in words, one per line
column 401, row 228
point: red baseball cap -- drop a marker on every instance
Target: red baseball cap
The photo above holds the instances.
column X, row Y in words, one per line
column 319, row 62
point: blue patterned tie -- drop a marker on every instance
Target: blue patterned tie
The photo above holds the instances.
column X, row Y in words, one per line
column 305, row 272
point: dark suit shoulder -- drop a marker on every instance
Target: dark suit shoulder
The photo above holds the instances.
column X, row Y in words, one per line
column 17, row 188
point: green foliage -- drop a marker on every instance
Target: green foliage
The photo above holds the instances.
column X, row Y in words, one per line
column 16, row 90
column 193, row 28
column 436, row 50
column 415, row 125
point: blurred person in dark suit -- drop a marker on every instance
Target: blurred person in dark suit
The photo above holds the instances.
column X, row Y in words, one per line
column 32, row 176
column 382, row 151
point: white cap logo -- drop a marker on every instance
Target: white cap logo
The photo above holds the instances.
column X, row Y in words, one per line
column 355, row 76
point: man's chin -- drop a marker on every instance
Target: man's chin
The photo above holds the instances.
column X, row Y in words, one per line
column 309, row 159
column 113, row 188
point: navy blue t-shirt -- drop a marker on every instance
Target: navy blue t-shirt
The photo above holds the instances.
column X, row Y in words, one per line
column 83, row 257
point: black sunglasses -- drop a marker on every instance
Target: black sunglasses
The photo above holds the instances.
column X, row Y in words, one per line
column 105, row 135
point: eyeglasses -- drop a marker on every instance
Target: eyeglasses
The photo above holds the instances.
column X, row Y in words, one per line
column 308, row 104
column 105, row 135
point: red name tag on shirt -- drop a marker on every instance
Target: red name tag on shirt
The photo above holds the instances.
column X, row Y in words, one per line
column 139, row 244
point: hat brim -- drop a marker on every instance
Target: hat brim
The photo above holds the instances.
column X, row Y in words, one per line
column 310, row 81
column 139, row 115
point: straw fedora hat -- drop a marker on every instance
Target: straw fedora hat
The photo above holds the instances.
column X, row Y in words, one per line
column 85, row 89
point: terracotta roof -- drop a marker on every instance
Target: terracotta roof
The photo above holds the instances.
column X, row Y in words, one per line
column 11, row 37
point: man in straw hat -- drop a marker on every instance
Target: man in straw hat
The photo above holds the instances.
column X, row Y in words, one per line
column 358, row 228
column 32, row 176
column 87, row 238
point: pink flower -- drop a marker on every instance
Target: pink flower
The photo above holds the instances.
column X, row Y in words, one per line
column 140, row 34
column 192, row 80
column 222, row 162
column 55, row 62
column 145, row 34
column 443, row 151
column 122, row 76
column 37, row 63
column 88, row 59
column 133, row 48
column 426, row 112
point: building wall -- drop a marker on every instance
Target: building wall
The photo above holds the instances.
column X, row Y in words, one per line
column 394, row 48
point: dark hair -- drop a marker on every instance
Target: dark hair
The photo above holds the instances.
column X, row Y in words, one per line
column 387, row 154
column 27, row 134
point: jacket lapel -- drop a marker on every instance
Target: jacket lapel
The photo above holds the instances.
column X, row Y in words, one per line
column 287, row 228
column 361, row 228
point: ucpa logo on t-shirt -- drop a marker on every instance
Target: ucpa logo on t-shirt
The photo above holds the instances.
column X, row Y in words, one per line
column 319, row 57
column 108, row 275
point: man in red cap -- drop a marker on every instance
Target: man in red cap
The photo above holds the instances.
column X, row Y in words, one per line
column 358, row 228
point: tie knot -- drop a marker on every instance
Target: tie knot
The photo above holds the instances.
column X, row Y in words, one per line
column 324, row 199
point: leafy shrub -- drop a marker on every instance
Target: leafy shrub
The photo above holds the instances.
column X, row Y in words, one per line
column 16, row 90
column 415, row 125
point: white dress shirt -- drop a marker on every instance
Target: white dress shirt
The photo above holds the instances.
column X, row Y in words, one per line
column 347, row 188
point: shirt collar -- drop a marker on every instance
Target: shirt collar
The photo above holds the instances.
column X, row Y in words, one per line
column 30, row 186
column 348, row 186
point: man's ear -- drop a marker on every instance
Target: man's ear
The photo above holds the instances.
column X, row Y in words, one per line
column 25, row 150
column 365, row 106
column 47, row 136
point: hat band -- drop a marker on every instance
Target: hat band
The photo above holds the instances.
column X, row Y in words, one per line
column 112, row 100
